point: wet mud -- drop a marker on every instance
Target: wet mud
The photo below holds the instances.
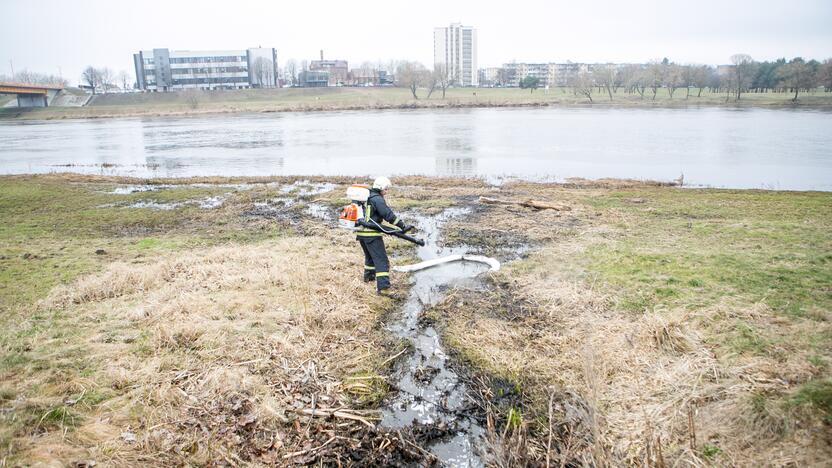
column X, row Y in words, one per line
column 428, row 392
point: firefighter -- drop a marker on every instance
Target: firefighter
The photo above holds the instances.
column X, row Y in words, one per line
column 376, row 264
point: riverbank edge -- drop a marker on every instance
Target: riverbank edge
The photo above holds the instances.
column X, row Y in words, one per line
column 106, row 112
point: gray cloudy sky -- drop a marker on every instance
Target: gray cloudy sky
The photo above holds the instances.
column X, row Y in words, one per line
column 43, row 35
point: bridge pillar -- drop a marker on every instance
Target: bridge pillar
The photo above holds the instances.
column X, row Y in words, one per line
column 32, row 100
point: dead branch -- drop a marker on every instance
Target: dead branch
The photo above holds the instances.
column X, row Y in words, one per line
column 327, row 413
column 393, row 357
column 536, row 204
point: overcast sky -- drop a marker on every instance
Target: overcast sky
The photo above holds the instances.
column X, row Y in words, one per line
column 50, row 36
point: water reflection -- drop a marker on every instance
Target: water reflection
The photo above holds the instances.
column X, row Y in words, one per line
column 457, row 136
column 462, row 166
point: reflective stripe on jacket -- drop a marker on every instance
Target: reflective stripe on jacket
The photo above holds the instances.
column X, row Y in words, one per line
column 378, row 211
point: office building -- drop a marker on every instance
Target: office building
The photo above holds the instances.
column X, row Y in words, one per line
column 313, row 79
column 169, row 70
column 338, row 70
column 455, row 47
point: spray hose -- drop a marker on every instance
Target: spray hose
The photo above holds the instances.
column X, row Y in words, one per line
column 372, row 224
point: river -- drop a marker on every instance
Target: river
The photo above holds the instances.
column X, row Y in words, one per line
column 713, row 147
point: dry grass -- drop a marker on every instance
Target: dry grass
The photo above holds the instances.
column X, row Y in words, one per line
column 682, row 383
column 621, row 337
column 651, row 379
column 208, row 356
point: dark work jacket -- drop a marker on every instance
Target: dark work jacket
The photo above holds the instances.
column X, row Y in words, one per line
column 378, row 212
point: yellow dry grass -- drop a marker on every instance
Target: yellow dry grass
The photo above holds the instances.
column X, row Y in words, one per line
column 207, row 354
column 651, row 379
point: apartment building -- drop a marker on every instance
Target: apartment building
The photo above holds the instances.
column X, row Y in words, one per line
column 455, row 47
column 547, row 74
column 169, row 70
column 491, row 76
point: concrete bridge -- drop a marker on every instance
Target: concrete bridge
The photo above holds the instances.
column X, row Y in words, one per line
column 31, row 95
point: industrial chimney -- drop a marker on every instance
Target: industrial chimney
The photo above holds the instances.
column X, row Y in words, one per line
column 322, row 55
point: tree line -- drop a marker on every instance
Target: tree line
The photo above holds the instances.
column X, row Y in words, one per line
column 28, row 77
column 105, row 79
column 743, row 75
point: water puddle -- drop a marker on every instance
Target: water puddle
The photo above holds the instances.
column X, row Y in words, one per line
column 323, row 212
column 305, row 188
column 288, row 195
column 128, row 189
column 429, row 391
column 149, row 204
column 210, row 203
column 139, row 188
column 206, row 203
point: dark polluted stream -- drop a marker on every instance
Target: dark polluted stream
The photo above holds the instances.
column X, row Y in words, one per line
column 429, row 391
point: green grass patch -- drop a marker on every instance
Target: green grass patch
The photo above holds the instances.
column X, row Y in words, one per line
column 746, row 339
column 816, row 394
column 692, row 248
column 710, row 451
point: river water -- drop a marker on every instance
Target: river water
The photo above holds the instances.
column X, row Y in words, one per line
column 747, row 148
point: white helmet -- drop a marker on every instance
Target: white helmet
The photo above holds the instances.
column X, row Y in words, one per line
column 382, row 183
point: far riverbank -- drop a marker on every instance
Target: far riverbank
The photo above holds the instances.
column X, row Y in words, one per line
column 337, row 99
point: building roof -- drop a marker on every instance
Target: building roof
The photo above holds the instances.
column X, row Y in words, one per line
column 198, row 53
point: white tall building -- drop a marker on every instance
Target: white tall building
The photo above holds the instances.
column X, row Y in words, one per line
column 456, row 47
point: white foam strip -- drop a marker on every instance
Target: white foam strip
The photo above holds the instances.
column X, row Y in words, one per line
column 491, row 262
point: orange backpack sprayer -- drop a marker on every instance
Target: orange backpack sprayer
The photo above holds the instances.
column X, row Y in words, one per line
column 353, row 217
column 350, row 215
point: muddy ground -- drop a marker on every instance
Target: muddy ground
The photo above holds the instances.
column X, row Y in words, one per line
column 223, row 321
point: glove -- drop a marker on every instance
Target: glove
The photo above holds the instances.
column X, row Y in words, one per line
column 408, row 228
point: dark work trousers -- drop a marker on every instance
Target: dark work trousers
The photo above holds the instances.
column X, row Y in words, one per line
column 375, row 261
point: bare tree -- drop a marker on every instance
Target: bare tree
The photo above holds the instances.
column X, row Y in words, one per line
column 672, row 78
column 608, row 77
column 743, row 64
column 825, row 75
column 263, row 70
column 635, row 79
column 192, row 97
column 290, row 71
column 625, row 76
column 92, row 77
column 26, row 76
column 702, row 76
column 443, row 77
column 411, row 75
column 655, row 76
column 797, row 75
column 106, row 79
column 431, row 81
column 687, row 75
column 124, row 79
column 583, row 84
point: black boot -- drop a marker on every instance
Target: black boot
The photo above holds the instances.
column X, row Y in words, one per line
column 382, row 284
column 369, row 276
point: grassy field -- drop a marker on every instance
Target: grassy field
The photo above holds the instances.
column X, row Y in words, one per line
column 317, row 99
column 670, row 325
column 648, row 324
